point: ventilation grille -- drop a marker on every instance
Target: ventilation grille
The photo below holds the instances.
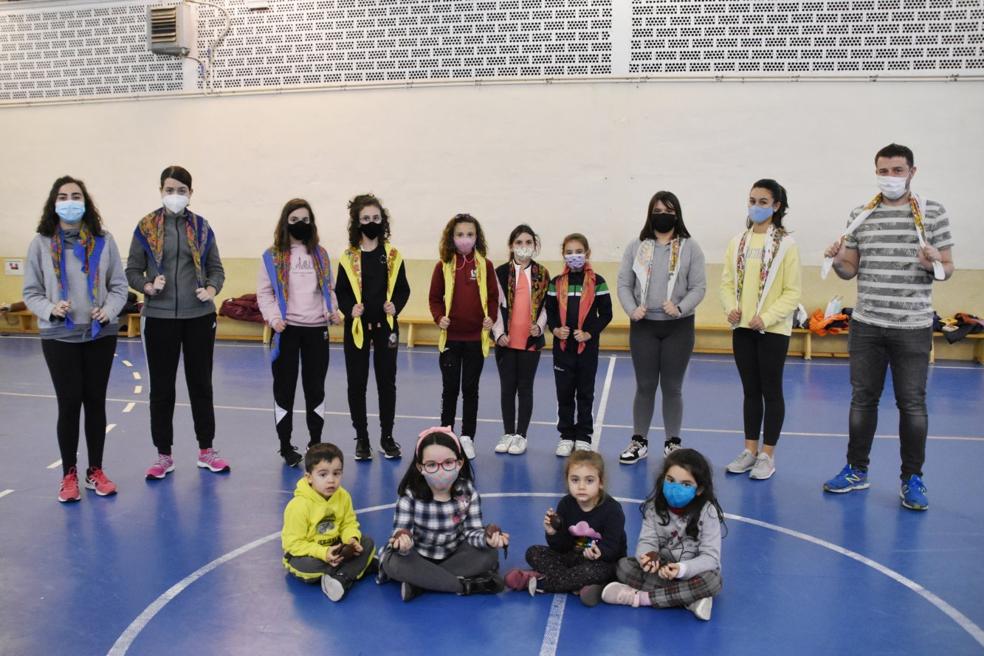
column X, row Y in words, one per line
column 81, row 51
column 867, row 37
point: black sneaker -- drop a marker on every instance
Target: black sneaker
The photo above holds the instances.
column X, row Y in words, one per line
column 409, row 591
column 637, row 450
column 671, row 445
column 390, row 448
column 290, row 455
column 363, row 451
column 490, row 583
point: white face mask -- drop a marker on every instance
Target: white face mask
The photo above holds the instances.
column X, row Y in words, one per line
column 175, row 203
column 891, row 187
column 523, row 252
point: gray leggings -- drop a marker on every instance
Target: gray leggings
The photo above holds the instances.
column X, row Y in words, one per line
column 443, row 575
column 660, row 354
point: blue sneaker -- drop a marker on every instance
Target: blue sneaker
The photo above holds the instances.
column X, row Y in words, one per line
column 850, row 478
column 913, row 494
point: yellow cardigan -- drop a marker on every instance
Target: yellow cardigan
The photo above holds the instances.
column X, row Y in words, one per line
column 782, row 298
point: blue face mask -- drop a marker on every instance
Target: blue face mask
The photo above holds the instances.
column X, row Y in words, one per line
column 678, row 495
column 759, row 214
column 70, row 211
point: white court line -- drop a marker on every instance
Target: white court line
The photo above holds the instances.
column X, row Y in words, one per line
column 5, row 493
column 338, row 413
column 133, row 630
column 127, row 363
column 603, row 404
column 551, row 636
column 129, row 407
column 137, row 389
column 136, row 375
column 55, row 464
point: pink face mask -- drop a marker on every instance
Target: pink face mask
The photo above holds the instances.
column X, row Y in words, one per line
column 442, row 479
column 464, row 244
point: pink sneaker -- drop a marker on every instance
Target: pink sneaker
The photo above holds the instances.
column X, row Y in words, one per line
column 96, row 479
column 209, row 459
column 163, row 466
column 522, row 579
column 69, row 490
column 620, row 594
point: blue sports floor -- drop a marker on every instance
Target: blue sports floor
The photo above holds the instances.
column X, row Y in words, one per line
column 191, row 564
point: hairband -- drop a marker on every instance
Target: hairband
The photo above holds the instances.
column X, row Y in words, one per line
column 437, row 429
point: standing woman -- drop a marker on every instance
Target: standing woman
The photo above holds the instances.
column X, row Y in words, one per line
column 760, row 289
column 660, row 283
column 518, row 334
column 294, row 292
column 175, row 262
column 372, row 291
column 74, row 283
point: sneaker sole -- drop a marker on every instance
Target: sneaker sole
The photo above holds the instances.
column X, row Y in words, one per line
column 363, row 458
column 332, row 588
column 75, row 500
column 739, row 471
column 844, row 490
column 216, row 470
column 395, row 456
column 633, row 461
column 910, row 506
column 762, row 478
column 151, row 477
column 92, row 486
column 517, row 453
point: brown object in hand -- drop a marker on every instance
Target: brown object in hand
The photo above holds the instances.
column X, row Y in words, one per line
column 491, row 530
column 557, row 522
column 402, row 531
column 347, row 552
column 653, row 557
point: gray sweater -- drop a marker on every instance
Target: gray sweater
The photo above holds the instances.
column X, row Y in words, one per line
column 177, row 300
column 688, row 290
column 675, row 546
column 42, row 290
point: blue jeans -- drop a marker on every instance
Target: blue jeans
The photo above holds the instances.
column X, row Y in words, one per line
column 872, row 350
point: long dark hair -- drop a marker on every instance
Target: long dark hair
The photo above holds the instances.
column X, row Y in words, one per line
column 446, row 247
column 49, row 219
column 358, row 204
column 669, row 199
column 700, row 469
column 778, row 194
column 523, row 229
column 414, row 480
column 281, row 236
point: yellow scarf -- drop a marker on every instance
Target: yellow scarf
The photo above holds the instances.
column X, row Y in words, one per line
column 483, row 295
column 352, row 265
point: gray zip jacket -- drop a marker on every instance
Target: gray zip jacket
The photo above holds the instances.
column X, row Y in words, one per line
column 177, row 300
column 42, row 289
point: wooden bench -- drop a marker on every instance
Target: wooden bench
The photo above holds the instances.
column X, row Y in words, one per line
column 978, row 347
column 26, row 321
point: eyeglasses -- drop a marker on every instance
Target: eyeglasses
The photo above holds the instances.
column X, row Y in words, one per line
column 298, row 219
column 431, row 467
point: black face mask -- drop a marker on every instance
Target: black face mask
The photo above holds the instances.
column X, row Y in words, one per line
column 371, row 230
column 662, row 222
column 300, row 231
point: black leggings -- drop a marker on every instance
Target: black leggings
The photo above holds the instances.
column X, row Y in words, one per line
column 760, row 358
column 385, row 345
column 517, row 370
column 461, row 368
column 80, row 373
column 307, row 346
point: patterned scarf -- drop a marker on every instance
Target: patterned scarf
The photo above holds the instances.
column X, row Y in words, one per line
column 540, row 279
column 587, row 300
column 642, row 266
column 150, row 233
column 352, row 264
column 88, row 249
column 772, row 239
column 277, row 265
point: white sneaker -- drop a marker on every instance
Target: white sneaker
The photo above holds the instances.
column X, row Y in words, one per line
column 467, row 446
column 765, row 467
column 580, row 445
column 564, row 448
column 702, row 608
column 518, row 446
column 741, row 464
column 504, row 443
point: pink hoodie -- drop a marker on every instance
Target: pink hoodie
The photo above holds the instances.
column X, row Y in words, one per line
column 305, row 304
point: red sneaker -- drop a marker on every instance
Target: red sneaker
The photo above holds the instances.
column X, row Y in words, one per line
column 95, row 479
column 69, row 490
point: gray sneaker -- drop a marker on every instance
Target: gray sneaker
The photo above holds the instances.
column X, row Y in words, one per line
column 741, row 464
column 764, row 468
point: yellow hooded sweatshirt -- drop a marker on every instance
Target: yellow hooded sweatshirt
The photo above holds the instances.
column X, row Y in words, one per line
column 314, row 524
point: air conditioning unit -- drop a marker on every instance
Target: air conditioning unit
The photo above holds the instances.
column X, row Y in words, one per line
column 171, row 30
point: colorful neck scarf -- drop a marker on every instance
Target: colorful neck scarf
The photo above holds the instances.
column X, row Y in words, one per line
column 539, row 282
column 150, row 233
column 483, row 295
column 88, row 249
column 642, row 266
column 277, row 265
column 587, row 300
column 352, row 264
column 772, row 240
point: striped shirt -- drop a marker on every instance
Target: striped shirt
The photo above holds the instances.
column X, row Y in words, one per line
column 439, row 527
column 894, row 291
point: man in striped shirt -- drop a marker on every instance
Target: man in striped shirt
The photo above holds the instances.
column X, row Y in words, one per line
column 893, row 253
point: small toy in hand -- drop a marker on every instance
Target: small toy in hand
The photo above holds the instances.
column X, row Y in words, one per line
column 347, row 552
column 397, row 534
column 556, row 522
column 653, row 557
column 491, row 530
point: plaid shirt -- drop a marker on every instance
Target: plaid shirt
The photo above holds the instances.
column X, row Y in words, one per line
column 439, row 527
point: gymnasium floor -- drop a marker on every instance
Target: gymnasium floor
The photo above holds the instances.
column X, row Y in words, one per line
column 190, row 565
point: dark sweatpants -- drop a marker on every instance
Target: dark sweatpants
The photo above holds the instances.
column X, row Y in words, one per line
column 575, row 378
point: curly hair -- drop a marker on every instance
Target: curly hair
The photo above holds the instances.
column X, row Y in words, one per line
column 446, row 248
column 49, row 219
column 355, row 206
